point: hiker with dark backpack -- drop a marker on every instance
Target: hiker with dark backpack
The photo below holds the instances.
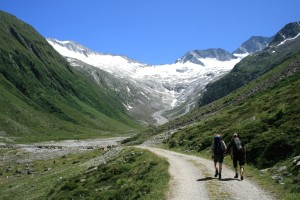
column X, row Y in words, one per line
column 218, row 149
column 238, row 154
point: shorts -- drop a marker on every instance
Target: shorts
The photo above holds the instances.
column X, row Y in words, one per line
column 238, row 159
column 218, row 158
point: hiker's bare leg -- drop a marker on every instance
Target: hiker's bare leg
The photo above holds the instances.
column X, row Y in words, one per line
column 220, row 170
column 216, row 169
column 242, row 172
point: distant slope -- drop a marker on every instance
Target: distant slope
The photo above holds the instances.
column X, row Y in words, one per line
column 286, row 43
column 42, row 96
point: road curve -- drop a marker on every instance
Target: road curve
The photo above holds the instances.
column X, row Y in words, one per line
column 192, row 178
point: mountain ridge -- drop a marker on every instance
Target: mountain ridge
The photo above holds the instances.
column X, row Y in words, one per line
column 289, row 31
column 255, row 64
column 254, row 44
column 171, row 87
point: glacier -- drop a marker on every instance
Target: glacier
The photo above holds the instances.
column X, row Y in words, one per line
column 174, row 87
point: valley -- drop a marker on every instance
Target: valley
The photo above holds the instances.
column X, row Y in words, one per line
column 164, row 91
column 76, row 123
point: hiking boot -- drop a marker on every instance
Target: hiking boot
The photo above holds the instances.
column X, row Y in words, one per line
column 236, row 175
column 220, row 176
column 242, row 178
column 217, row 173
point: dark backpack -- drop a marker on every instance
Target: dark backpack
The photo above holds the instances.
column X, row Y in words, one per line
column 238, row 144
column 219, row 147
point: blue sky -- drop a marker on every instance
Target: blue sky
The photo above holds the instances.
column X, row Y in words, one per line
column 155, row 31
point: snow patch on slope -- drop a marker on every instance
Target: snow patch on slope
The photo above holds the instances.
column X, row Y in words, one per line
column 173, row 84
column 289, row 39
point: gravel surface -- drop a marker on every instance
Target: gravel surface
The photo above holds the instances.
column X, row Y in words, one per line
column 25, row 153
column 192, row 178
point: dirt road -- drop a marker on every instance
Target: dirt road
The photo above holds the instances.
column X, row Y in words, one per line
column 192, row 178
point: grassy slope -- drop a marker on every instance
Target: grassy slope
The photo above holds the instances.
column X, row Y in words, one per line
column 43, row 98
column 134, row 174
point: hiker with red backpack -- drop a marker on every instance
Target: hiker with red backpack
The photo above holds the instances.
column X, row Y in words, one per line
column 237, row 150
column 218, row 149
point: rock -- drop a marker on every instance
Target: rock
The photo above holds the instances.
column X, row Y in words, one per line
column 264, row 170
column 280, row 169
column 91, row 170
column 76, row 161
column 277, row 178
column 296, row 159
column 47, row 169
column 82, row 180
column 9, row 169
column 298, row 164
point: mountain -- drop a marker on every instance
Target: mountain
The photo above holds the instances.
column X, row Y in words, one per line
column 265, row 112
column 43, row 97
column 253, row 45
column 195, row 56
column 261, row 103
column 152, row 94
column 284, row 45
column 290, row 32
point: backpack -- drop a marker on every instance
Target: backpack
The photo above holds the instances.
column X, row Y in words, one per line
column 238, row 144
column 219, row 147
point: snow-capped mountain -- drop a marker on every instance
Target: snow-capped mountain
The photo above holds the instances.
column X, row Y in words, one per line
column 196, row 56
column 154, row 89
column 253, row 45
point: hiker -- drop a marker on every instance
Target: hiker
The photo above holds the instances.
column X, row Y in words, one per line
column 218, row 149
column 238, row 154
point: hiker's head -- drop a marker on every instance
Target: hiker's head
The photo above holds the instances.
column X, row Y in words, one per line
column 235, row 135
column 218, row 136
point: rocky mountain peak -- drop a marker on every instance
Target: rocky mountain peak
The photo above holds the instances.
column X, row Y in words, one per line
column 289, row 31
column 72, row 46
column 254, row 44
column 195, row 56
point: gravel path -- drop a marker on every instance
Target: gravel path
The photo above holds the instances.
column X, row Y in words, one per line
column 192, row 178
